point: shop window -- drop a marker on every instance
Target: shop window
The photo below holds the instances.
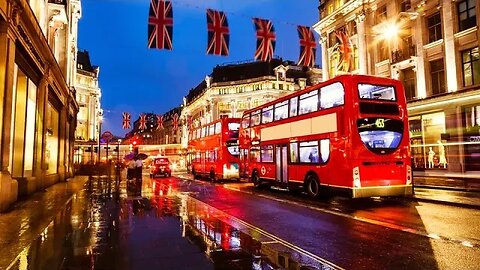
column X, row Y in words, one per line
column 51, row 148
column 331, row 95
column 308, row 102
column 381, row 14
column 437, row 73
column 281, row 110
column 408, row 81
column 467, row 17
column 267, row 153
column 434, row 25
column 471, row 67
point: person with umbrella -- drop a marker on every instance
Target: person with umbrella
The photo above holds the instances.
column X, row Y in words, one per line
column 131, row 169
column 139, row 167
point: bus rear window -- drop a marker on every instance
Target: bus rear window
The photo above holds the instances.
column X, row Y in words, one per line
column 380, row 135
column 374, row 91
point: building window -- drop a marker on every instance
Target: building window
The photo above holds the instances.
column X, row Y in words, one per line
column 466, row 14
column 437, row 71
column 405, row 5
column 382, row 50
column 434, row 25
column 51, row 147
column 381, row 14
column 408, row 81
column 471, row 66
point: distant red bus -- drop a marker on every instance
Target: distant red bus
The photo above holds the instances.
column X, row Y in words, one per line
column 214, row 150
column 348, row 134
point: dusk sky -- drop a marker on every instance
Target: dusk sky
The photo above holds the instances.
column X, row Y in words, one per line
column 136, row 79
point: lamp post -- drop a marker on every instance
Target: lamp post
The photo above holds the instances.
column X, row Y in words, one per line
column 100, row 119
column 118, row 149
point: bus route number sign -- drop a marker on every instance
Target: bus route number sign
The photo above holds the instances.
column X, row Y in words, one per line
column 380, row 123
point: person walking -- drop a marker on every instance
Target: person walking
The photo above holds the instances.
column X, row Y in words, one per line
column 139, row 168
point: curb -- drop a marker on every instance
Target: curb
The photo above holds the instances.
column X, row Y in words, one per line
column 455, row 204
column 474, row 190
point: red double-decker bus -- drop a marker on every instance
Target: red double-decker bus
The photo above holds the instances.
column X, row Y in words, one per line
column 347, row 134
column 214, row 150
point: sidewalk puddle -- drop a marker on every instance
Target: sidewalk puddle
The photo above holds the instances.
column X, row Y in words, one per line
column 108, row 228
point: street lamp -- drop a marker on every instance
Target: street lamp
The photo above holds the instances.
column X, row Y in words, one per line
column 118, row 149
column 100, row 120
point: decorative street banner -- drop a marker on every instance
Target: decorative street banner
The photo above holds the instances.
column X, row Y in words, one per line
column 218, row 33
column 175, row 122
column 343, row 53
column 308, row 46
column 143, row 122
column 265, row 39
column 126, row 120
column 160, row 25
column 159, row 121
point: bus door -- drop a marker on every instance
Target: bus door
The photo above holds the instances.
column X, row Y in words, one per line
column 243, row 162
column 281, row 165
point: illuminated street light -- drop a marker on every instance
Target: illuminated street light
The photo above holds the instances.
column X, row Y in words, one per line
column 391, row 31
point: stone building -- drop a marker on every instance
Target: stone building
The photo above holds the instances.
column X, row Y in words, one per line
column 233, row 88
column 37, row 98
column 433, row 48
column 88, row 98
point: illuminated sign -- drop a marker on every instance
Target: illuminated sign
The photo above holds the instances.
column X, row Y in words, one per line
column 380, row 123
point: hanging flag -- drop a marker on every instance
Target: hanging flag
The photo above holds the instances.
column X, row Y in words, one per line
column 143, row 121
column 265, row 39
column 345, row 50
column 218, row 33
column 160, row 25
column 175, row 122
column 159, row 121
column 126, row 120
column 308, row 46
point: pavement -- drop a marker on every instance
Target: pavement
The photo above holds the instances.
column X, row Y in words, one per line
column 28, row 218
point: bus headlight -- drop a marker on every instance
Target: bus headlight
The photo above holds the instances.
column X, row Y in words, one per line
column 409, row 175
column 356, row 178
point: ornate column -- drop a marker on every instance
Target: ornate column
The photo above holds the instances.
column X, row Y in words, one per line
column 361, row 42
column 325, row 68
column 449, row 41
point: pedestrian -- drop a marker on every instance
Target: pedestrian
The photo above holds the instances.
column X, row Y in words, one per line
column 131, row 169
column 139, row 167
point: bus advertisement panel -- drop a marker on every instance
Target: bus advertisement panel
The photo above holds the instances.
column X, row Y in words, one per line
column 347, row 134
column 214, row 149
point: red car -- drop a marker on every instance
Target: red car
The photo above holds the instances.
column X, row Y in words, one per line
column 160, row 166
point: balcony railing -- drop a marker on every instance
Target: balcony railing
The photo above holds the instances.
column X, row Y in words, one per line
column 403, row 54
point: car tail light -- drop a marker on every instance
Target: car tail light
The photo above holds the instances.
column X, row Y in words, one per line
column 356, row 178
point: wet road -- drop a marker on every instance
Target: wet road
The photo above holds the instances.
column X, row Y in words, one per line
column 177, row 224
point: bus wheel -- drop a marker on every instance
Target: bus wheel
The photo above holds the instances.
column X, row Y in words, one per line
column 212, row 176
column 256, row 180
column 312, row 186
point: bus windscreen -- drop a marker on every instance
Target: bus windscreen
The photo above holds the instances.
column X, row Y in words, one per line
column 374, row 91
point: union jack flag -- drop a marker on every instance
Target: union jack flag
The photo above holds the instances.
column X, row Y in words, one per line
column 159, row 121
column 175, row 122
column 308, row 46
column 160, row 25
column 265, row 39
column 143, row 121
column 126, row 120
column 218, row 32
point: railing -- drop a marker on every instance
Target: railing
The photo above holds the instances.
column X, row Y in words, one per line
column 403, row 54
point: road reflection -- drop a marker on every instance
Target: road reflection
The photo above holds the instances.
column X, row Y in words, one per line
column 152, row 225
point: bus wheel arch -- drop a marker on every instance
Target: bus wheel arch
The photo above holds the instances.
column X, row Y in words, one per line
column 312, row 184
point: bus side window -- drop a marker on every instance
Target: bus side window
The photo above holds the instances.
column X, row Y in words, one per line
column 309, row 152
column 255, row 154
column 325, row 150
column 332, row 95
column 294, row 152
column 293, row 106
column 267, row 153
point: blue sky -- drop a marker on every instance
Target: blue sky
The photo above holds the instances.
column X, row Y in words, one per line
column 136, row 79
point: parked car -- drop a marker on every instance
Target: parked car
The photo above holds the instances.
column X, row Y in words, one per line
column 160, row 166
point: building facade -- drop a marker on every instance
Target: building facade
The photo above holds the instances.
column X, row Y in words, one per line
column 233, row 88
column 433, row 48
column 88, row 98
column 37, row 98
